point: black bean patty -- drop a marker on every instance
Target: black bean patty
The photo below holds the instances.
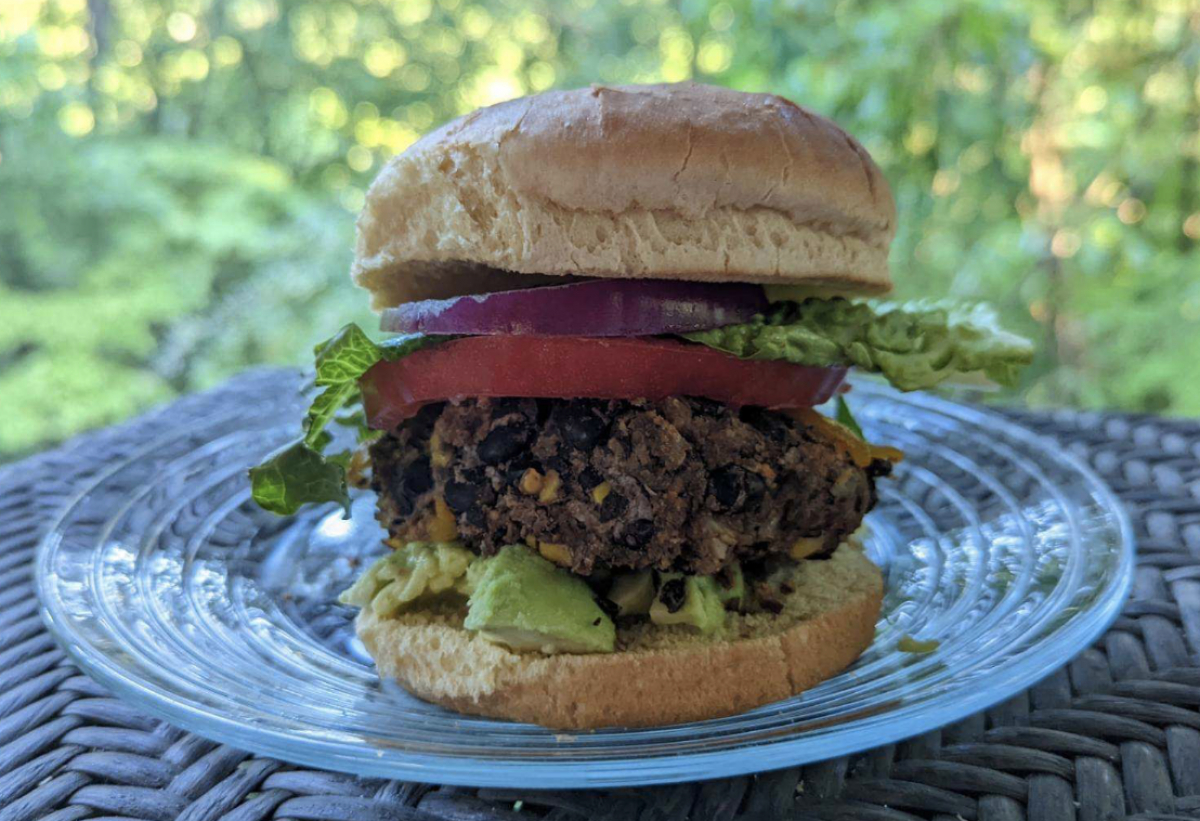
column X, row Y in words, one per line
column 680, row 484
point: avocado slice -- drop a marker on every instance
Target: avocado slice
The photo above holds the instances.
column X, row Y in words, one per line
column 696, row 599
column 527, row 603
column 418, row 571
column 633, row 593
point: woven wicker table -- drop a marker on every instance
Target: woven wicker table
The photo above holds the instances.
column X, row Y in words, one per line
column 1113, row 734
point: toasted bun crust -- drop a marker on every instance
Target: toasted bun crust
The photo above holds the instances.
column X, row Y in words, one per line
column 662, row 675
column 678, row 181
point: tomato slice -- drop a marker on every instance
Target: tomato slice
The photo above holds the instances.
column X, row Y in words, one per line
column 569, row 367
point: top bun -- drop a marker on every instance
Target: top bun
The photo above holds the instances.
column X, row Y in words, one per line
column 677, row 181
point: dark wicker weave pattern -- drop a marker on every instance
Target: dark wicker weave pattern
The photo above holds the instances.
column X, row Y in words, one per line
column 1115, row 733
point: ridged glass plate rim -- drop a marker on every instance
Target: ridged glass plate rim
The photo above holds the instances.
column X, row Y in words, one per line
column 1020, row 670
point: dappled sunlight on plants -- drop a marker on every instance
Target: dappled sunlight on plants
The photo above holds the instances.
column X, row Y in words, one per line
column 180, row 177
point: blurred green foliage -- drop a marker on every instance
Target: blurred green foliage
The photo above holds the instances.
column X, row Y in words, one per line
column 178, row 178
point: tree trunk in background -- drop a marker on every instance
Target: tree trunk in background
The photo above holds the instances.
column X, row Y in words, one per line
column 215, row 22
column 99, row 18
column 1050, row 187
column 1190, row 168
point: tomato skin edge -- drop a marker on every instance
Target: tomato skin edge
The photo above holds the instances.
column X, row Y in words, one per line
column 585, row 367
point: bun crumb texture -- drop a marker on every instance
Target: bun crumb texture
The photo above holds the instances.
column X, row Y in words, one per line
column 659, row 675
column 680, row 181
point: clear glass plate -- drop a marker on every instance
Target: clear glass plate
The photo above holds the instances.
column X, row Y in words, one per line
column 171, row 588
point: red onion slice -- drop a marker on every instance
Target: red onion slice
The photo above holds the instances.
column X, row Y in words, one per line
column 600, row 307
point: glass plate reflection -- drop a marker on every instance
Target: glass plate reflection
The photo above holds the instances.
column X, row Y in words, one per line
column 170, row 587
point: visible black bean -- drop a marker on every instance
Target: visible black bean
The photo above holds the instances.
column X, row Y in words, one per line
column 418, row 477
column 471, row 489
column 639, row 532
column 513, row 476
column 579, row 425
column 558, row 461
column 397, row 488
column 878, row 468
column 673, row 594
column 421, row 425
column 600, row 580
column 461, row 496
column 736, row 488
column 614, row 505
column 608, row 606
column 769, row 423
column 504, row 407
column 756, row 565
column 589, row 478
column 756, row 489
column 517, row 467
column 795, row 513
column 476, row 517
column 404, row 505
column 504, row 442
column 725, row 577
column 487, row 494
column 726, row 484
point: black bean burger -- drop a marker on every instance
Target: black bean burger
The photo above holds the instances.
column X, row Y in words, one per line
column 607, row 496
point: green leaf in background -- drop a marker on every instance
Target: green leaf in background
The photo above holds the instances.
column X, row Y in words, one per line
column 296, row 476
column 178, row 210
column 846, row 418
column 913, row 345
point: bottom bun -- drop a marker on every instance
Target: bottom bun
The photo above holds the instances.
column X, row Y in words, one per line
column 658, row 675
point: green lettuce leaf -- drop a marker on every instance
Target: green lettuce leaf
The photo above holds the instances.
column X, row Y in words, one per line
column 846, row 419
column 341, row 361
column 914, row 345
column 300, row 474
column 296, row 476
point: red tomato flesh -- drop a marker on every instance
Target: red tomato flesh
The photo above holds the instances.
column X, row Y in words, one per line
column 570, row 367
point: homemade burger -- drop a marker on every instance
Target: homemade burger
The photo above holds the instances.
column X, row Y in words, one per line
column 608, row 498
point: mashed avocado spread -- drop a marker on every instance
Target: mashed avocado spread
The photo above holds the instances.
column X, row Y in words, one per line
column 417, row 571
column 522, row 601
column 694, row 600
